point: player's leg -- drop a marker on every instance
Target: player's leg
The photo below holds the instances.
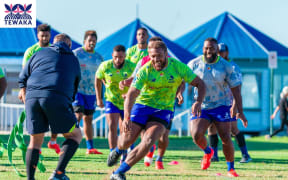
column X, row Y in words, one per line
column 112, row 120
column 224, row 131
column 283, row 121
column 153, row 132
column 162, row 146
column 89, row 109
column 124, row 142
column 62, row 120
column 240, row 139
column 37, row 124
column 213, row 141
column 198, row 127
column 52, row 144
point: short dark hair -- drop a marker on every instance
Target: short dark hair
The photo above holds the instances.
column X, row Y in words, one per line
column 158, row 45
column 90, row 33
column 155, row 38
column 43, row 27
column 144, row 29
column 119, row 48
column 211, row 39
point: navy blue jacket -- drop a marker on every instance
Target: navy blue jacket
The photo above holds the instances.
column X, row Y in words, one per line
column 51, row 70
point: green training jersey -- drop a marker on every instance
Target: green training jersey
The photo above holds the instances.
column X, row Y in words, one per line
column 1, row 73
column 112, row 77
column 29, row 52
column 134, row 54
column 158, row 88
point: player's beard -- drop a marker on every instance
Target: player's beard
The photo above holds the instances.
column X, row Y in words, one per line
column 45, row 44
column 211, row 59
column 118, row 66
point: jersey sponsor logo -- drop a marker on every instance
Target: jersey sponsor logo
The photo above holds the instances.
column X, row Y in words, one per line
column 117, row 71
column 171, row 79
column 83, row 65
column 209, row 68
column 125, row 74
column 153, row 80
column 161, row 74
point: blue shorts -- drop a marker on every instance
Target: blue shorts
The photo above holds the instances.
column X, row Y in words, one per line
column 219, row 114
column 111, row 108
column 55, row 112
column 85, row 104
column 142, row 114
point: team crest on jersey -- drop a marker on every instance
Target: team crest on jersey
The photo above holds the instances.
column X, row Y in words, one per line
column 117, row 71
column 125, row 74
column 161, row 74
column 209, row 68
column 110, row 74
column 153, row 80
column 171, row 79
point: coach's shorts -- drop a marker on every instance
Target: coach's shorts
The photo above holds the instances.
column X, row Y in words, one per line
column 111, row 108
column 54, row 112
column 142, row 114
column 85, row 104
column 219, row 114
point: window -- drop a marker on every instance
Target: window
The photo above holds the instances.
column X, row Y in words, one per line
column 250, row 90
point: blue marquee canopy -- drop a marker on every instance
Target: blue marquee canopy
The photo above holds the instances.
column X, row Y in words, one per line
column 244, row 41
column 127, row 37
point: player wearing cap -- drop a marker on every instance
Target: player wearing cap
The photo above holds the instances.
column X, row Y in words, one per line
column 219, row 79
column 239, row 136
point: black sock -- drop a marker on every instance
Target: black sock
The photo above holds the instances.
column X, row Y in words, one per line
column 68, row 149
column 240, row 139
column 32, row 157
column 213, row 140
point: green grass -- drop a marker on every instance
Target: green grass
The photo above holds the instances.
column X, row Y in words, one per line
column 270, row 159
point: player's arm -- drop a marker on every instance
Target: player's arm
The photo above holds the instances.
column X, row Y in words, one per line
column 199, row 83
column 275, row 112
column 131, row 96
column 98, row 89
column 3, row 86
column 179, row 93
column 236, row 91
column 127, row 82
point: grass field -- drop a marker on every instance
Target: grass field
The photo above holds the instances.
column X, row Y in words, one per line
column 270, row 161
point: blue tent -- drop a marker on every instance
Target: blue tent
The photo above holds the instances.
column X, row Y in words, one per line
column 15, row 41
column 127, row 37
column 243, row 40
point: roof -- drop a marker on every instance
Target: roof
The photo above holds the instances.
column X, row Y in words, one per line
column 15, row 41
column 244, row 41
column 126, row 36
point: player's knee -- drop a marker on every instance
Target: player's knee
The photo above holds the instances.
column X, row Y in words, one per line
column 147, row 142
column 226, row 138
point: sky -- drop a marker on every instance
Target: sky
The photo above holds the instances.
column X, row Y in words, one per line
column 172, row 18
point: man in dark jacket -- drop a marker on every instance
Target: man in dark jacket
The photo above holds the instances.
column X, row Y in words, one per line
column 48, row 83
